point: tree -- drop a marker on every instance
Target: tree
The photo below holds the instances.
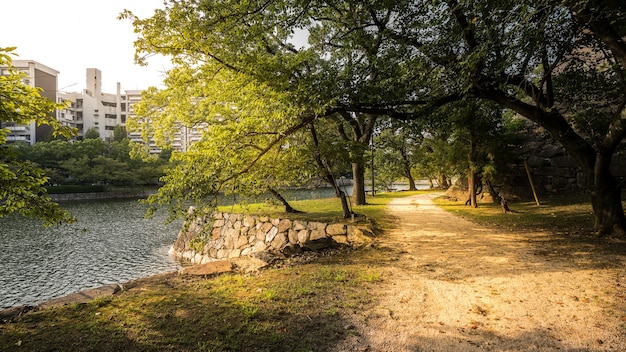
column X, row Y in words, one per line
column 525, row 59
column 21, row 182
column 119, row 133
column 397, row 152
column 92, row 133
column 252, row 139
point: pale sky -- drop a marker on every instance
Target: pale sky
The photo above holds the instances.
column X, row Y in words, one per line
column 73, row 35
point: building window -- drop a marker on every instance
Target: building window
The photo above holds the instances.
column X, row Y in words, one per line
column 110, row 116
column 79, row 103
column 106, row 103
column 123, row 118
column 123, row 105
column 109, row 128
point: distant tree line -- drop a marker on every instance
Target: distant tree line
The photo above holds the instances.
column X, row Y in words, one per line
column 93, row 161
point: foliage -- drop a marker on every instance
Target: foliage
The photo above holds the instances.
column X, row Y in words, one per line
column 92, row 133
column 92, row 162
column 559, row 64
column 253, row 137
column 22, row 183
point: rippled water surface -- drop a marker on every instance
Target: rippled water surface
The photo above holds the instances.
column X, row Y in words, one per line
column 111, row 243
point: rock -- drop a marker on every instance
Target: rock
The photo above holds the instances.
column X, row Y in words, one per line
column 299, row 225
column 249, row 221
column 303, row 236
column 242, row 241
column 284, row 225
column 259, row 246
column 336, row 229
column 212, row 268
column 317, row 234
column 248, row 264
column 223, row 253
column 83, row 296
column 293, row 236
column 271, row 234
column 279, row 241
column 343, row 239
column 266, row 227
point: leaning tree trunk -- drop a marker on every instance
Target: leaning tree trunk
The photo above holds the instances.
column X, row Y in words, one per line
column 406, row 165
column 288, row 207
column 358, row 186
column 327, row 173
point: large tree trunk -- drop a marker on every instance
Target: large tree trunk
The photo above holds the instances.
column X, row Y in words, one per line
column 412, row 186
column 442, row 180
column 606, row 199
column 358, row 185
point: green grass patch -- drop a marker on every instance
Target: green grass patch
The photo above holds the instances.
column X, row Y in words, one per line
column 322, row 210
column 301, row 308
column 565, row 214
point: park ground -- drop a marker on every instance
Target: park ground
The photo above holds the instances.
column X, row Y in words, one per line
column 432, row 281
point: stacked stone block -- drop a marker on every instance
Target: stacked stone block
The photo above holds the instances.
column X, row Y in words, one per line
column 224, row 235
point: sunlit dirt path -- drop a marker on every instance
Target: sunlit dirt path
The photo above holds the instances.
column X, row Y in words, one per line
column 451, row 285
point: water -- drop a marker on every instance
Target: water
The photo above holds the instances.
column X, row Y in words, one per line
column 111, row 243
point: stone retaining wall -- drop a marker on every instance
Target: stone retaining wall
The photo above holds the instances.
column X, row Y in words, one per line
column 224, row 235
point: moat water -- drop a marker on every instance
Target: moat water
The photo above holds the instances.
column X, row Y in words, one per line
column 111, row 243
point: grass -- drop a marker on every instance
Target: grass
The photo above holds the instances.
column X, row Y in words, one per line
column 562, row 215
column 322, row 210
column 294, row 309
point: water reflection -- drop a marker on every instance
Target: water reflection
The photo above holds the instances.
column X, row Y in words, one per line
column 110, row 243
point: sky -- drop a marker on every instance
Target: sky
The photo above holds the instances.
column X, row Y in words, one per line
column 72, row 35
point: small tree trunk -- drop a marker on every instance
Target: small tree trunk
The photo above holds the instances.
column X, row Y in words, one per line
column 431, row 185
column 471, row 185
column 288, row 207
column 326, row 171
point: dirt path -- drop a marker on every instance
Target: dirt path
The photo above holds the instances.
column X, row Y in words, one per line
column 450, row 285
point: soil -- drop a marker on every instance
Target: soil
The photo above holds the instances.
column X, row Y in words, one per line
column 451, row 285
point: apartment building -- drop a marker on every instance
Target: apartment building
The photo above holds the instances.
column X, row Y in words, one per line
column 38, row 75
column 93, row 108
column 88, row 109
column 103, row 111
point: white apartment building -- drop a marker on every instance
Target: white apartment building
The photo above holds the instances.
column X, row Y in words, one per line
column 90, row 108
column 103, row 111
column 38, row 75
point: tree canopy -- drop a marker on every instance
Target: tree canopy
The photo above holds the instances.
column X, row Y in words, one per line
column 558, row 63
